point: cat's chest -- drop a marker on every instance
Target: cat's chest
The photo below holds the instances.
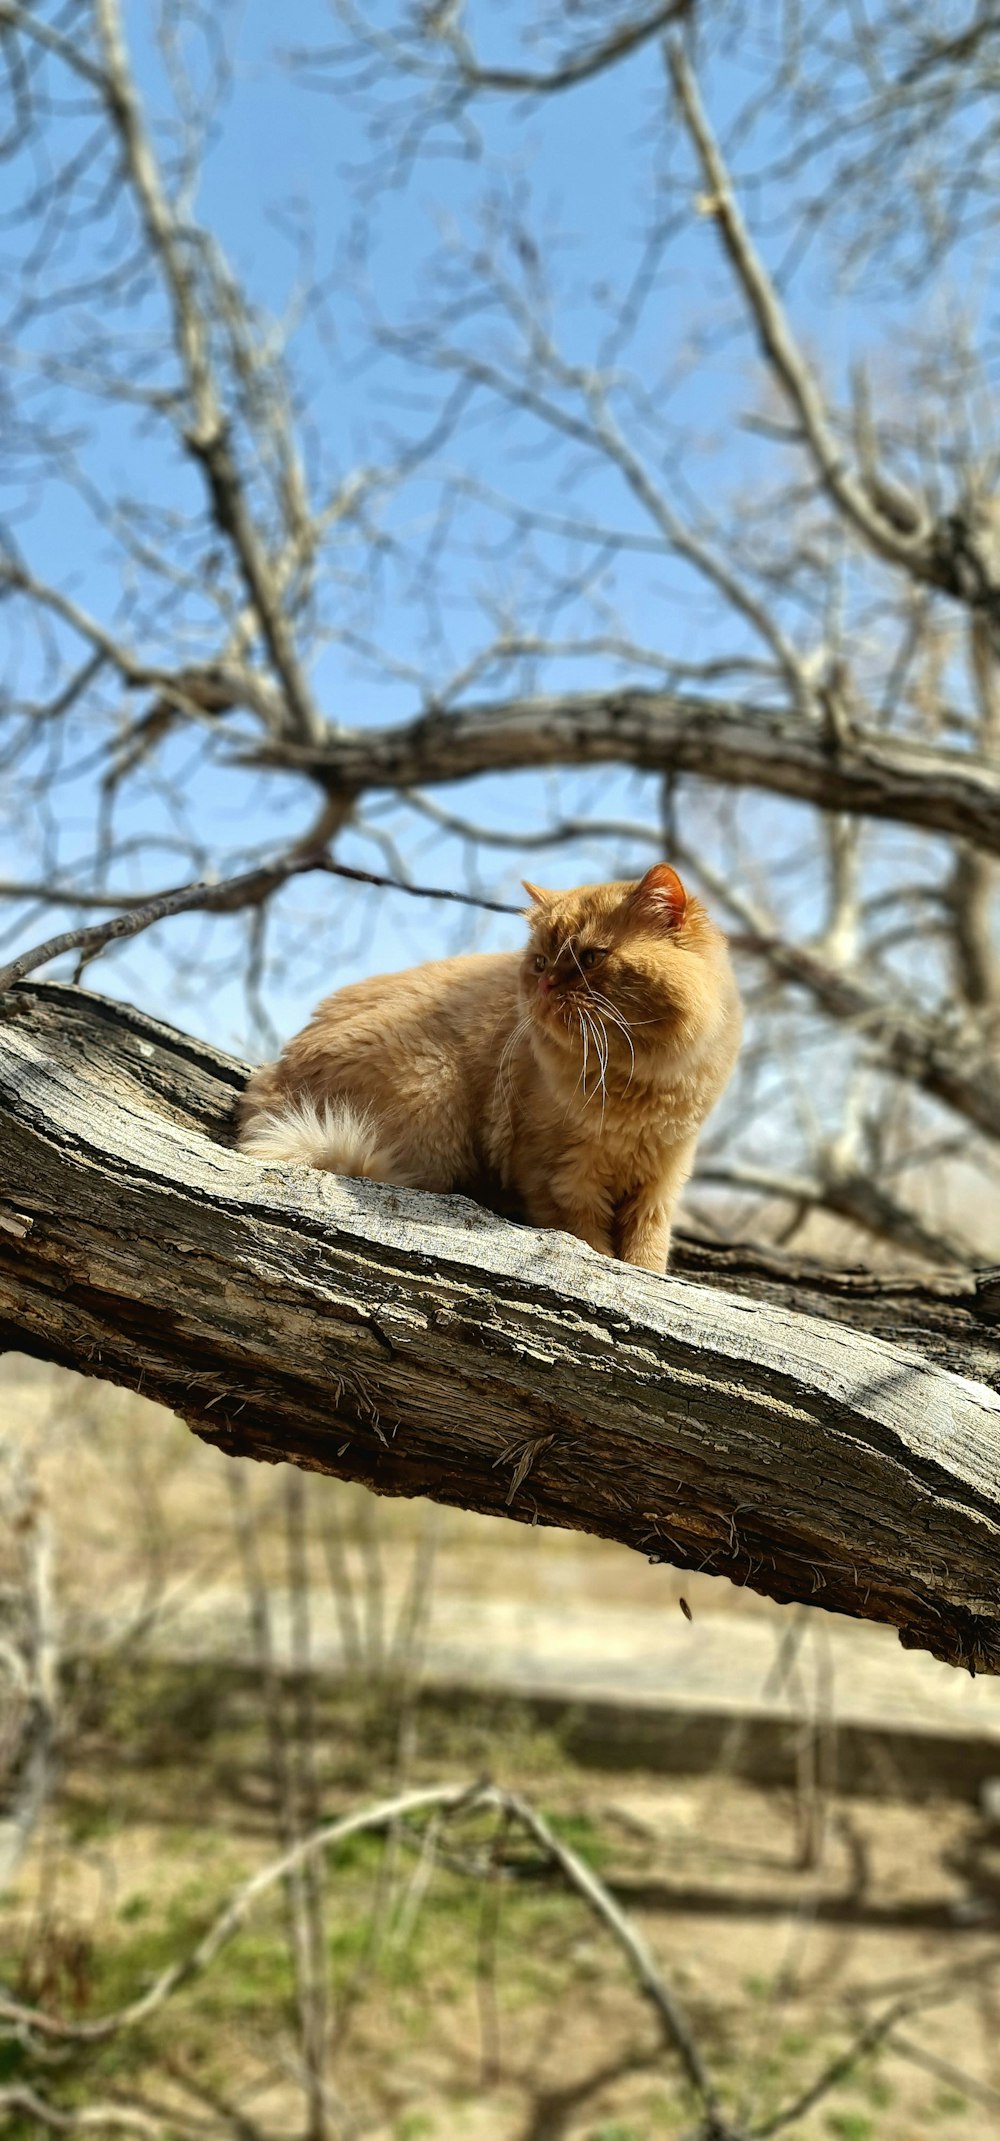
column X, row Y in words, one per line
column 622, row 1150
column 635, row 1129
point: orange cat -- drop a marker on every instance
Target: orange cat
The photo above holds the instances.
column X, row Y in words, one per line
column 565, row 1085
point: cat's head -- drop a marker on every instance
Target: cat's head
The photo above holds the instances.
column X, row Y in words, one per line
column 634, row 973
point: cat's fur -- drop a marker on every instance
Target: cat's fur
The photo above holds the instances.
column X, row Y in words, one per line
column 565, row 1084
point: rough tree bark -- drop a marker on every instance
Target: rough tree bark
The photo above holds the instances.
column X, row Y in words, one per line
column 840, row 766
column 820, row 1438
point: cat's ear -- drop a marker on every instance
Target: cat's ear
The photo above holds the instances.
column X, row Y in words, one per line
column 536, row 894
column 661, row 896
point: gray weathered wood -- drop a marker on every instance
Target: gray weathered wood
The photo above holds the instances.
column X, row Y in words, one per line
column 424, row 1347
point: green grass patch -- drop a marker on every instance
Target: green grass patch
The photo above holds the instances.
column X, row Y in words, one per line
column 850, row 2126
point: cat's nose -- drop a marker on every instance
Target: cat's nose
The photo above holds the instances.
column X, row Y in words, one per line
column 545, row 982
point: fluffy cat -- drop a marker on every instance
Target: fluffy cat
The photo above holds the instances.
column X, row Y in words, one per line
column 565, row 1084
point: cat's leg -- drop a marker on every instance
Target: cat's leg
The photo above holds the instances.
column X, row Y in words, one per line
column 594, row 1226
column 645, row 1219
column 589, row 1226
column 564, row 1205
column 644, row 1238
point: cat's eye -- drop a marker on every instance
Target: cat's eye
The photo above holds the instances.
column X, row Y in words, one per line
column 540, row 963
column 594, row 953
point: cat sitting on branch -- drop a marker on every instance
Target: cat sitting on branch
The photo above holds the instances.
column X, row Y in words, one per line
column 564, row 1085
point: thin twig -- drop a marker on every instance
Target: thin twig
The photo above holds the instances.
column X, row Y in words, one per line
column 227, row 897
column 909, row 549
column 88, row 2118
column 581, row 1877
column 868, row 2040
column 208, row 437
column 577, row 66
column 446, row 1800
column 229, row 1921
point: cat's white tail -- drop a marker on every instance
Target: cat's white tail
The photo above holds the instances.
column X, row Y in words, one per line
column 342, row 1138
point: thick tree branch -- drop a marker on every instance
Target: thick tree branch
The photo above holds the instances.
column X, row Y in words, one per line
column 426, row 1348
column 852, row 769
column 953, row 1319
column 893, row 777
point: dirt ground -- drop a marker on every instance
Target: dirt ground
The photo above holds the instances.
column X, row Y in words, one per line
column 474, row 1996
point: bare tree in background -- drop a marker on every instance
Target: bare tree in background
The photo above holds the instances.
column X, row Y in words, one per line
column 797, row 653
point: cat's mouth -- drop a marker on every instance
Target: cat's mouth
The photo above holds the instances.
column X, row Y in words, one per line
column 557, row 1013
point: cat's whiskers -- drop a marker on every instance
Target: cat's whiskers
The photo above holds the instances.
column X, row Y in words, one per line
column 589, row 1021
column 606, row 1059
column 582, row 1080
column 503, row 1084
column 609, row 1011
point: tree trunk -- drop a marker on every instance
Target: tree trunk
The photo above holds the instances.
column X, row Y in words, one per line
column 820, row 1438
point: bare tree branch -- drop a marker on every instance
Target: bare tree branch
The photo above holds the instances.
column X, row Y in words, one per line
column 949, row 552
column 418, row 1344
column 106, row 2118
column 850, row 1195
column 227, row 897
column 937, row 1993
column 890, row 777
column 450, row 1801
column 577, row 66
column 958, row 1068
